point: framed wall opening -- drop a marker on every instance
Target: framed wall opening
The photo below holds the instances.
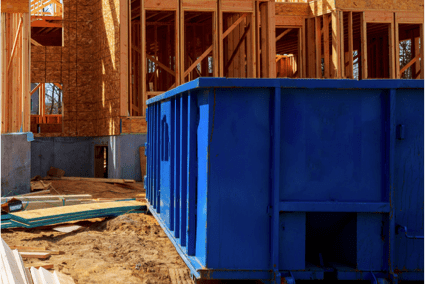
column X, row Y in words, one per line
column 409, row 46
column 100, row 161
column 46, row 108
column 46, row 23
column 287, row 52
column 378, row 45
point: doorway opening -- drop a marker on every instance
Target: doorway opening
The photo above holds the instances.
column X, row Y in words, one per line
column 101, row 161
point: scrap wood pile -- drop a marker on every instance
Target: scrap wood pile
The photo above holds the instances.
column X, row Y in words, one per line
column 13, row 271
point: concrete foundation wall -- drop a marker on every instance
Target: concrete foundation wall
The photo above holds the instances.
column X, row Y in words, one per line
column 75, row 155
column 15, row 164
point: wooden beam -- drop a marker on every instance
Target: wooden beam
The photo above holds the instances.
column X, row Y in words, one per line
column 33, row 41
column 58, row 85
column 35, row 89
column 350, row 73
column 408, row 65
column 363, row 35
column 142, row 65
column 422, row 50
column 124, row 29
column 318, row 47
column 205, row 54
column 18, row 32
column 311, row 62
column 151, row 58
column 342, row 42
column 283, row 34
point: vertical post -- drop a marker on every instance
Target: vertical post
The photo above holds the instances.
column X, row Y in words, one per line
column 318, row 48
column 26, row 120
column 336, row 40
column 341, row 39
column 192, row 172
column 221, row 43
column 397, row 47
column 182, row 45
column 271, row 39
column 251, row 43
column 363, row 34
column 275, row 199
column 299, row 55
column 216, row 43
column 391, row 58
column 172, row 163
column 158, row 157
column 326, row 45
column 130, row 63
column 124, row 57
column 257, row 37
column 3, row 71
column 350, row 46
column 143, row 69
column 264, row 50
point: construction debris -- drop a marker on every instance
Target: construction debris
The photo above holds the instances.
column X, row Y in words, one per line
column 107, row 180
column 64, row 214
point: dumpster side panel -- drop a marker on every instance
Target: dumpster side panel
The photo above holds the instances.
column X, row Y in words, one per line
column 165, row 161
column 409, row 179
column 331, row 146
column 239, row 226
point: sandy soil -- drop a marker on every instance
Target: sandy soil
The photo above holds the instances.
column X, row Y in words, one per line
column 128, row 249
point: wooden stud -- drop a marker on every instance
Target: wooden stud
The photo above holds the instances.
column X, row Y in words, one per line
column 124, row 29
column 318, row 47
column 350, row 69
column 271, row 39
column 311, row 48
column 26, row 110
column 336, row 40
column 363, row 35
column 397, row 47
column 326, row 44
column 341, row 40
column 143, row 64
column 391, row 42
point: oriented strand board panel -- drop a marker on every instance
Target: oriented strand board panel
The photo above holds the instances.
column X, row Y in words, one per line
column 293, row 9
column 409, row 17
column 320, row 7
column 386, row 5
column 379, row 17
column 161, row 4
column 237, row 5
column 15, row 6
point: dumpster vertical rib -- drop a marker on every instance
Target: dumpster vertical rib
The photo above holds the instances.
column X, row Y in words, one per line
column 172, row 166
column 275, row 185
column 191, row 173
column 391, row 140
column 149, row 158
column 158, row 159
column 183, row 168
column 177, row 167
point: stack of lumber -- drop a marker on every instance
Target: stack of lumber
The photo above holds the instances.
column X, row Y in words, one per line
column 107, row 180
column 13, row 271
column 39, row 185
column 57, row 215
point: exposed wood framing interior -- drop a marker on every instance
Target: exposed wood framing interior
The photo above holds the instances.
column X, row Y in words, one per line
column 111, row 58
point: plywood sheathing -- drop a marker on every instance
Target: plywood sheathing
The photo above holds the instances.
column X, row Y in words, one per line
column 87, row 66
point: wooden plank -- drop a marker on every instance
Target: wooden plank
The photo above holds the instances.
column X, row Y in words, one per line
column 15, row 6
column 40, row 255
column 410, row 17
column 363, row 35
column 151, row 58
column 107, row 180
column 124, row 29
column 15, row 42
column 378, row 16
column 64, row 210
column 26, row 80
column 283, row 34
column 233, row 26
column 304, row 52
column 236, row 6
column 271, row 36
column 23, row 249
column 289, row 20
column 318, row 47
column 142, row 64
column 200, row 58
column 161, row 5
column 350, row 73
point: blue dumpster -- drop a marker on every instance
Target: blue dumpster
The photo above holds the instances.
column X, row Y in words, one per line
column 291, row 179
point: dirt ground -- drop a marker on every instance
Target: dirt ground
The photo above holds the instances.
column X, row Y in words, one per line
column 131, row 248
column 128, row 249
